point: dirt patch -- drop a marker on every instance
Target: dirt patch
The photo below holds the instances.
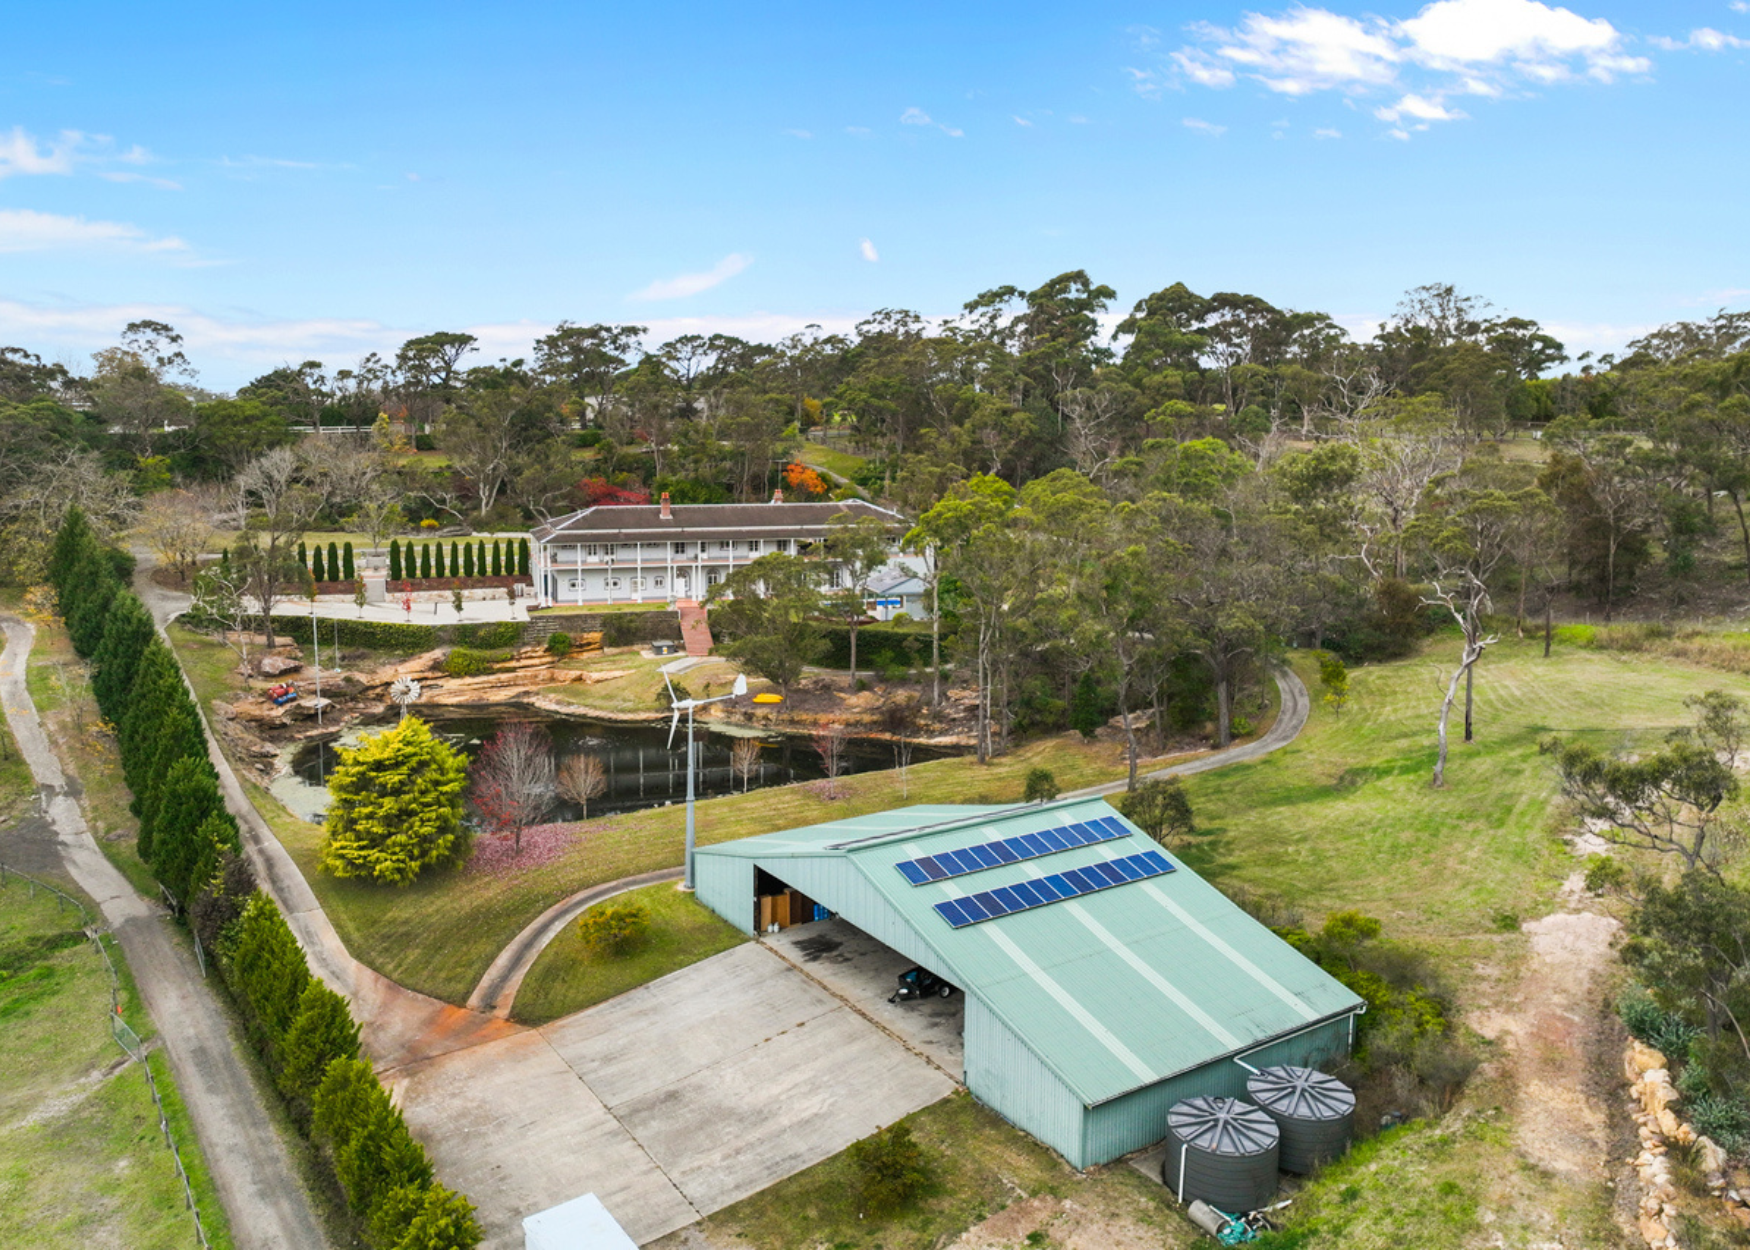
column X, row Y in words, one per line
column 1560, row 1042
column 1065, row 1223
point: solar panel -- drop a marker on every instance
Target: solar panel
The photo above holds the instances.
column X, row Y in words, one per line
column 1043, row 891
column 959, row 863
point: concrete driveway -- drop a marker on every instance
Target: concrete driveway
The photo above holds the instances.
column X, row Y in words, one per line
column 861, row 971
column 669, row 1102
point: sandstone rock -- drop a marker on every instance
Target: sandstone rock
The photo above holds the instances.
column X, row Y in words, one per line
column 1742, row 1215
column 1711, row 1158
column 1668, row 1123
column 1641, row 1058
column 278, row 665
column 1653, row 1232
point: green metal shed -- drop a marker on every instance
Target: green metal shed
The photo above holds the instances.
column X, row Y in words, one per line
column 1087, row 1016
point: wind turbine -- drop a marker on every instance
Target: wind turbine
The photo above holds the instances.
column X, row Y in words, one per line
column 687, row 705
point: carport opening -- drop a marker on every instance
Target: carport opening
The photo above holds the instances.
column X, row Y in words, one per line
column 778, row 906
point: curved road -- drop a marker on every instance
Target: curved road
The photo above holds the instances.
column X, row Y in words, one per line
column 1290, row 720
column 250, row 1166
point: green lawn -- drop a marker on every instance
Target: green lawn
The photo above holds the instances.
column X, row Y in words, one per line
column 82, row 1162
column 569, row 976
column 1345, row 817
column 979, row 1165
column 831, row 459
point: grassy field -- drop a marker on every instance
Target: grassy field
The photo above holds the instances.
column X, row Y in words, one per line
column 1344, row 816
column 82, row 1162
column 569, row 976
column 831, row 459
column 642, row 690
column 979, row 1166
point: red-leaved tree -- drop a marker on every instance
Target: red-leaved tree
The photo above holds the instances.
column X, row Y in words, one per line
column 511, row 784
column 599, row 492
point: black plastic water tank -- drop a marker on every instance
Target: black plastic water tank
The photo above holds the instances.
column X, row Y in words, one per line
column 1223, row 1151
column 1315, row 1113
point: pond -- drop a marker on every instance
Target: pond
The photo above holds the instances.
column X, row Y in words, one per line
column 641, row 769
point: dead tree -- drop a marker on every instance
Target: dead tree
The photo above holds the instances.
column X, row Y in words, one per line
column 1467, row 602
column 744, row 759
column 582, row 778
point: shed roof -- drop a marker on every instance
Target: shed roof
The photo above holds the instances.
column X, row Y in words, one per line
column 705, row 520
column 1113, row 990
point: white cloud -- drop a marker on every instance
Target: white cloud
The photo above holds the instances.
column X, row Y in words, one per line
column 800, row 134
column 24, row 230
column 1488, row 48
column 953, row 132
column 683, row 285
column 869, row 252
column 19, row 154
column 1702, row 39
column 1419, row 108
column 1204, row 128
column 1306, row 50
column 1326, row 132
column 1022, row 121
column 915, row 117
column 859, row 131
column 119, row 175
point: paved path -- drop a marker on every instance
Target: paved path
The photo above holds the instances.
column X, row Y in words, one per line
column 498, row 987
column 1290, row 720
column 250, row 1166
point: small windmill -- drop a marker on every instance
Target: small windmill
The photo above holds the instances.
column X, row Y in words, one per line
column 687, row 705
column 403, row 693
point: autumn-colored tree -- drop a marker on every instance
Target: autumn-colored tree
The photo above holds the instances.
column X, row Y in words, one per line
column 512, row 783
column 801, row 480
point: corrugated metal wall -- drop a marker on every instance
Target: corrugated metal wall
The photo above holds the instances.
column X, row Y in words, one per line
column 1009, row 1079
column 834, row 883
column 724, row 883
column 1139, row 1118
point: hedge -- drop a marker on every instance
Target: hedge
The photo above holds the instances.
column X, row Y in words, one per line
column 878, row 647
column 399, row 637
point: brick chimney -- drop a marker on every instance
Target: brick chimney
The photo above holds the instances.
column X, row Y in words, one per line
column 667, row 512
column 778, row 495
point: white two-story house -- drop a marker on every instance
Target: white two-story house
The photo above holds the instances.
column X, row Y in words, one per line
column 658, row 553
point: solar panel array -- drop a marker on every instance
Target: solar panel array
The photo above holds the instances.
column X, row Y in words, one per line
column 928, row 868
column 1043, row 891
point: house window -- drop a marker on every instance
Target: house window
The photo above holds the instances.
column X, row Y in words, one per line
column 572, row 584
column 680, row 549
column 712, row 578
column 724, row 544
column 753, row 546
column 783, row 544
column 637, row 583
column 613, row 583
column 659, row 583
column 592, row 551
column 833, row 580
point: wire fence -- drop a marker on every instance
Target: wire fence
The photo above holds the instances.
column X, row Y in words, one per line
column 119, row 1029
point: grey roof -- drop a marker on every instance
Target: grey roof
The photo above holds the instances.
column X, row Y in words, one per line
column 891, row 579
column 1114, row 990
column 631, row 522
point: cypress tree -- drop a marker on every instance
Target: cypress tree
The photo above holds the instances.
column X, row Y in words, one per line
column 321, row 1032
column 480, row 560
column 468, row 560
column 127, row 628
column 303, row 556
column 347, row 570
column 437, row 561
column 455, row 559
column 497, row 558
column 317, row 572
column 333, row 561
column 394, row 559
column 522, row 558
column 442, row 1220
column 425, row 560
column 152, row 693
column 70, row 540
column 269, row 969
column 381, row 1157
column 182, row 798
column 225, row 560
column 344, row 1099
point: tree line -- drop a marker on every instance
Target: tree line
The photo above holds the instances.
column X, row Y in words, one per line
column 302, row 1029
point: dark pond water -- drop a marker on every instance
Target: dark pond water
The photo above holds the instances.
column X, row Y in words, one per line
column 642, row 770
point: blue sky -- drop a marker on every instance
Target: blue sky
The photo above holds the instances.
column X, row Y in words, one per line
column 317, row 181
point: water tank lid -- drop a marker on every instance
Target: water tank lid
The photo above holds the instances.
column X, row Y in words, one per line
column 1301, row 1093
column 1223, row 1126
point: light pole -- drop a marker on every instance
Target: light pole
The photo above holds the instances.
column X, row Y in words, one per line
column 739, row 689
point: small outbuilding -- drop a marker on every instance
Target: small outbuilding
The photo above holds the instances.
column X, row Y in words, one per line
column 1104, row 980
